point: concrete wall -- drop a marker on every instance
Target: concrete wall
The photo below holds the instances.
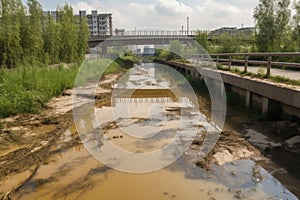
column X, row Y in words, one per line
column 262, row 94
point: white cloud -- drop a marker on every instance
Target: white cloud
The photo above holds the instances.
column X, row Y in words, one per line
column 172, row 14
column 213, row 14
column 172, row 7
column 87, row 5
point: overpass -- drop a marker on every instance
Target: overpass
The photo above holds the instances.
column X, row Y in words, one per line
column 146, row 37
column 129, row 40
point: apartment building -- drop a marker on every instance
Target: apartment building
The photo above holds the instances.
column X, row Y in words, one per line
column 51, row 13
column 99, row 24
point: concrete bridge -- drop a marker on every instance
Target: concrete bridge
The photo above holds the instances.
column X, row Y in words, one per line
column 136, row 40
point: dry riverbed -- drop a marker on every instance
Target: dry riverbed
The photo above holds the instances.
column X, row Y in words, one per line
column 28, row 142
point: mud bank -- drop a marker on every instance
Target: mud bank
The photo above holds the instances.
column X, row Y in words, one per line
column 42, row 156
column 27, row 141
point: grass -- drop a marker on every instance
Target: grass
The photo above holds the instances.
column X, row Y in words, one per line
column 261, row 73
column 1, row 127
column 93, row 69
column 280, row 79
column 27, row 89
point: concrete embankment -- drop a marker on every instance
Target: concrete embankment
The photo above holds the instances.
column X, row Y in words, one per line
column 268, row 96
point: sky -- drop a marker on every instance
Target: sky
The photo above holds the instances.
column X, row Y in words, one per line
column 167, row 14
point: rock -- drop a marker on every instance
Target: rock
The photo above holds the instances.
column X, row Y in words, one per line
column 293, row 144
column 260, row 141
column 67, row 93
column 243, row 154
column 275, row 145
column 197, row 141
column 293, row 141
column 223, row 157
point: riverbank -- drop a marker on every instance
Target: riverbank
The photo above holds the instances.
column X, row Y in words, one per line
column 27, row 140
column 27, row 89
column 33, row 143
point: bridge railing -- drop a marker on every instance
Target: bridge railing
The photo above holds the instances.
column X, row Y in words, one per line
column 163, row 32
column 267, row 60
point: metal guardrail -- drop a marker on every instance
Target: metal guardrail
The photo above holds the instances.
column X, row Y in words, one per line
column 229, row 60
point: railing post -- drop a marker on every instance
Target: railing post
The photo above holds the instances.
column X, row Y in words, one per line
column 246, row 64
column 229, row 62
column 269, row 66
column 218, row 59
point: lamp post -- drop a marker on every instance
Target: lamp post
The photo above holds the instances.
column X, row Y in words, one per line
column 188, row 25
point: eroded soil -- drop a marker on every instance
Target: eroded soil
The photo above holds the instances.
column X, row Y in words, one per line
column 28, row 142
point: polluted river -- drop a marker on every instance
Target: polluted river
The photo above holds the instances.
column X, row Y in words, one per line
column 142, row 140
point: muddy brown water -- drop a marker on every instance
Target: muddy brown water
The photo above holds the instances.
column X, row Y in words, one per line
column 76, row 174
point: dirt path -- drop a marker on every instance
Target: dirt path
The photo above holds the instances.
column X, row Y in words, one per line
column 26, row 141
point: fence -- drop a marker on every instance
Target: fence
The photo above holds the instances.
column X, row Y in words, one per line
column 229, row 59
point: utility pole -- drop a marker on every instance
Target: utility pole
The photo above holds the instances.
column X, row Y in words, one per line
column 182, row 30
column 188, row 25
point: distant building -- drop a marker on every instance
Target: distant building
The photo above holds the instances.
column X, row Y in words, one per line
column 82, row 13
column 52, row 13
column 229, row 30
column 233, row 31
column 99, row 24
column 246, row 31
column 120, row 32
column 148, row 51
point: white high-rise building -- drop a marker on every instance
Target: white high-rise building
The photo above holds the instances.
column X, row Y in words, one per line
column 99, row 24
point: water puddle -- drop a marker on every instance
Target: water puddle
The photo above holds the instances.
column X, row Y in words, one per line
column 150, row 121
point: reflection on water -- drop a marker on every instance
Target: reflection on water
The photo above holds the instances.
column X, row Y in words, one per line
column 148, row 123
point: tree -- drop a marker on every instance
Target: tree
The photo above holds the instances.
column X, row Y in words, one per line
column 271, row 22
column 83, row 36
column 229, row 43
column 202, row 39
column 32, row 33
column 35, row 36
column 176, row 47
column 296, row 24
column 10, row 35
column 283, row 17
column 68, row 35
column 51, row 39
column 27, row 36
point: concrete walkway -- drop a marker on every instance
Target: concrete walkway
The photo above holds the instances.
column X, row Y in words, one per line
column 295, row 75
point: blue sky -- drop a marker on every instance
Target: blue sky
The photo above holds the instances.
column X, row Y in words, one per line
column 169, row 14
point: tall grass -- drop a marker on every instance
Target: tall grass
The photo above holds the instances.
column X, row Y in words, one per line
column 91, row 70
column 26, row 89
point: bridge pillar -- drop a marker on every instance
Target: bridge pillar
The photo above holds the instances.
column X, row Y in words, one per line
column 265, row 104
column 248, row 98
column 104, row 50
column 194, row 73
column 187, row 72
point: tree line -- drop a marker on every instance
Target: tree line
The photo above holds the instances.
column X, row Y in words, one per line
column 277, row 29
column 27, row 36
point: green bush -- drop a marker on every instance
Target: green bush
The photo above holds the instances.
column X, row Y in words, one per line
column 26, row 89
